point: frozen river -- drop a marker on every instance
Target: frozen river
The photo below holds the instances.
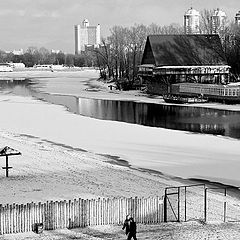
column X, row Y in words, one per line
column 193, row 119
column 153, row 136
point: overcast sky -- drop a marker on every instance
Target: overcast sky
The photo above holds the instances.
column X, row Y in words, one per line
column 49, row 23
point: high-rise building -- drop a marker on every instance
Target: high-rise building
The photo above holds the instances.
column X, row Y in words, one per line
column 86, row 35
column 237, row 18
column 218, row 20
column 191, row 21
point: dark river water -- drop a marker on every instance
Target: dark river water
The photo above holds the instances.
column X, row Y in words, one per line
column 193, row 119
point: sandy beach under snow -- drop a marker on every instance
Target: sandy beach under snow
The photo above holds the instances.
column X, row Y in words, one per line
column 56, row 140
column 67, row 156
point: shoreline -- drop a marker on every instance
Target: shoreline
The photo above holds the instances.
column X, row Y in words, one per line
column 101, row 87
column 154, row 147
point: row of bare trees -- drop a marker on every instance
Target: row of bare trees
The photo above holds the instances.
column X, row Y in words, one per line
column 121, row 52
column 34, row 55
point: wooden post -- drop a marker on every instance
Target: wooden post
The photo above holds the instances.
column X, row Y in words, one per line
column 185, row 198
column 165, row 206
column 178, row 204
column 7, row 167
column 205, row 205
column 225, row 204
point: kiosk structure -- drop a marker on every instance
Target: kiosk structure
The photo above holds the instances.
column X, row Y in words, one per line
column 5, row 152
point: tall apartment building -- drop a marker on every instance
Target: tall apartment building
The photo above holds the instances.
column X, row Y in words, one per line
column 237, row 18
column 218, row 20
column 86, row 35
column 191, row 21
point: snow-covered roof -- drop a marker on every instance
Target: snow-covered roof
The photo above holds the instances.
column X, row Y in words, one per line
column 219, row 13
column 192, row 67
column 192, row 12
column 8, row 151
column 183, row 50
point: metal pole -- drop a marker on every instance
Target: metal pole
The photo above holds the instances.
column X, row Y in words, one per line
column 205, row 204
column 185, row 192
column 6, row 166
column 165, row 206
column 225, row 205
column 178, row 204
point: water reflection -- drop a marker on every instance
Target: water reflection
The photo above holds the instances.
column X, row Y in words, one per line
column 201, row 120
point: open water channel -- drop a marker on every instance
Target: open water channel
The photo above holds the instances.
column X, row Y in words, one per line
column 193, row 119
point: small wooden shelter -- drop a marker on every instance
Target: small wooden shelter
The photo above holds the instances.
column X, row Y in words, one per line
column 5, row 152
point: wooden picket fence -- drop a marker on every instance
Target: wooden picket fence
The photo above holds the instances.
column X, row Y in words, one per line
column 76, row 213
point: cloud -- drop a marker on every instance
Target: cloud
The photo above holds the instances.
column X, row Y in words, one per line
column 44, row 14
column 12, row 12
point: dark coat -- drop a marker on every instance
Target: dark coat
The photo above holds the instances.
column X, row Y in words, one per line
column 130, row 226
column 126, row 225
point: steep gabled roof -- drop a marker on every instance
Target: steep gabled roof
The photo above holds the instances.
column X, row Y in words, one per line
column 183, row 50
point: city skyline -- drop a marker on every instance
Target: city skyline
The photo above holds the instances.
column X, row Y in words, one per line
column 25, row 23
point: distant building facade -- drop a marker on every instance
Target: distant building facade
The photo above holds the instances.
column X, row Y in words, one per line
column 191, row 21
column 55, row 51
column 237, row 18
column 86, row 35
column 16, row 52
column 218, row 20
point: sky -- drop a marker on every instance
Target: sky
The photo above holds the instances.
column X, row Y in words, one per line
column 50, row 23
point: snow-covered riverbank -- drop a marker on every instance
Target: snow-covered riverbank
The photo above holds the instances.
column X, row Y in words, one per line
column 52, row 140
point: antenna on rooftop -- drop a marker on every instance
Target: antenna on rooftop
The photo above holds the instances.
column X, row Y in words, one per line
column 191, row 3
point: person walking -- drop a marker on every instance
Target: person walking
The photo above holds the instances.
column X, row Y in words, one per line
column 131, row 228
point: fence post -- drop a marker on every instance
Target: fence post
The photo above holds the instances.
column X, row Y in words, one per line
column 178, row 204
column 185, row 198
column 205, row 204
column 165, row 206
column 1, row 228
column 225, row 205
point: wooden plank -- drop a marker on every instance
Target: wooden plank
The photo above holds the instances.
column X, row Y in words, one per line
column 104, row 211
column 97, row 212
column 10, row 219
column 40, row 219
column 75, row 210
column 41, row 214
column 16, row 219
column 64, row 214
column 3, row 220
column 45, row 219
column 71, row 218
column 108, row 211
column 1, row 223
column 61, row 215
column 25, row 218
column 83, row 213
column 144, row 210
column 54, row 215
column 114, row 210
column 79, row 213
column 101, row 211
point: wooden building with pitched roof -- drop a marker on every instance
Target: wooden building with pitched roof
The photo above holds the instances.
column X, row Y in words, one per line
column 170, row 60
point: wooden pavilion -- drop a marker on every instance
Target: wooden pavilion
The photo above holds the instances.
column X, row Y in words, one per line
column 176, row 59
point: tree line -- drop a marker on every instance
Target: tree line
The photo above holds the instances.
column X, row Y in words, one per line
column 120, row 53
column 34, row 55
